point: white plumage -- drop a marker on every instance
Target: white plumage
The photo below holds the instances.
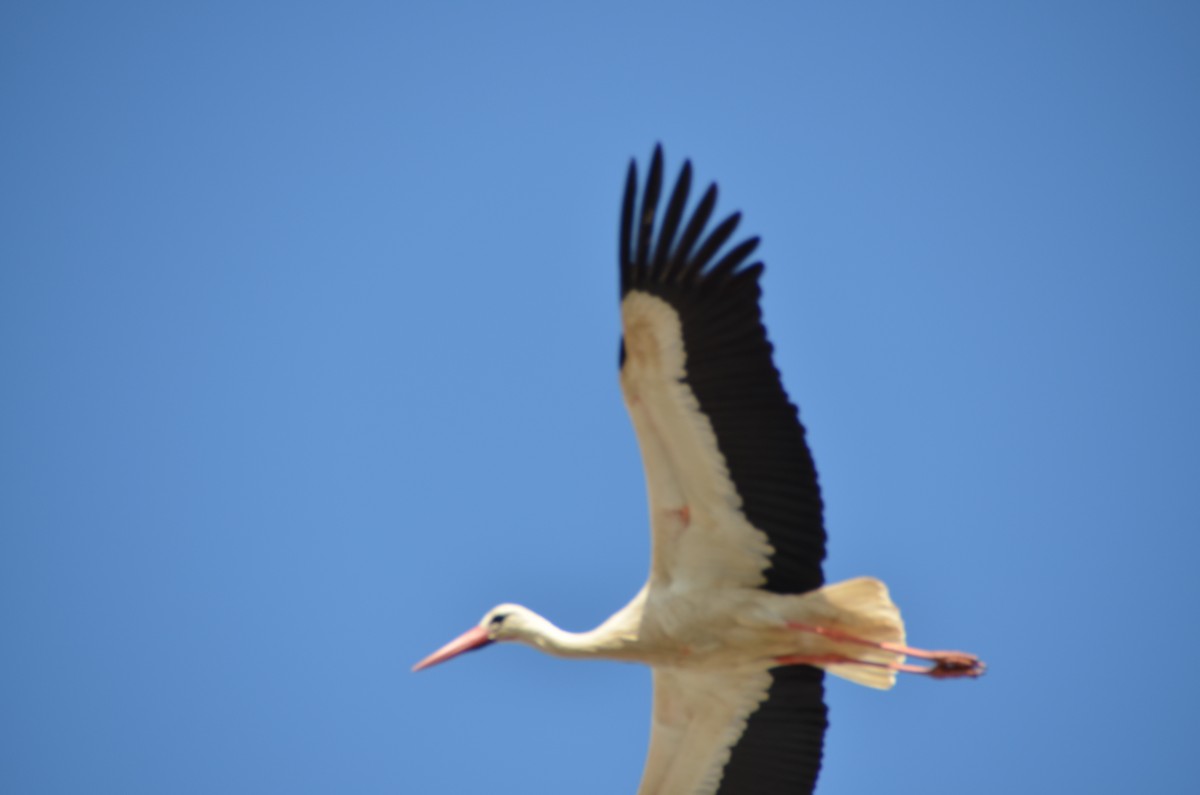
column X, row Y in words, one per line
column 734, row 618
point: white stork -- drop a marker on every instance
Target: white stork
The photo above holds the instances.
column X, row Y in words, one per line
column 735, row 618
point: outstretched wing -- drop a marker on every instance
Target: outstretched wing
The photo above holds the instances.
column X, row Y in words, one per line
column 736, row 734
column 733, row 491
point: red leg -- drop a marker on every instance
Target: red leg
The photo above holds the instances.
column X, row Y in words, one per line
column 838, row 659
column 946, row 664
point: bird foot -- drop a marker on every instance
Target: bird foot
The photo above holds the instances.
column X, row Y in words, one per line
column 954, row 665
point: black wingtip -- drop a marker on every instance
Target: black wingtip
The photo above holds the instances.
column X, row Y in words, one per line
column 695, row 228
column 649, row 206
column 652, row 249
column 675, row 208
column 625, row 242
column 721, row 272
column 709, row 248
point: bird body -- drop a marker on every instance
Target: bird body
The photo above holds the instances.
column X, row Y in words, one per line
column 721, row 630
column 735, row 618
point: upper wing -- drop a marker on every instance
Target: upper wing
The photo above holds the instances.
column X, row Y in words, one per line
column 757, row 733
column 717, row 432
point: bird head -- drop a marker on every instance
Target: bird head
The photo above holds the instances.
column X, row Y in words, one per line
column 503, row 622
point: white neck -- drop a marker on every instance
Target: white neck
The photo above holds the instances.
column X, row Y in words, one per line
column 612, row 640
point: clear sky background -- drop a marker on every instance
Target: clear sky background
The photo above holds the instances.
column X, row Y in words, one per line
column 308, row 341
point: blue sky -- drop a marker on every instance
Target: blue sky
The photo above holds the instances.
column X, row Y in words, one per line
column 308, row 331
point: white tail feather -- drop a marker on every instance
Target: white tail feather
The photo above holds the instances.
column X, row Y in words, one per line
column 860, row 607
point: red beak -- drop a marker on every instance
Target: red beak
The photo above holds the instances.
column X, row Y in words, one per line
column 473, row 638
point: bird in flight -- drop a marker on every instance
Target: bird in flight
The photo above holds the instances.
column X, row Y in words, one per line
column 735, row 618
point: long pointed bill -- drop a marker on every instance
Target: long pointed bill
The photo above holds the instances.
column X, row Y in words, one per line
column 473, row 638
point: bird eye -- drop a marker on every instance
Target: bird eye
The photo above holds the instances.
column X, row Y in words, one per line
column 497, row 619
